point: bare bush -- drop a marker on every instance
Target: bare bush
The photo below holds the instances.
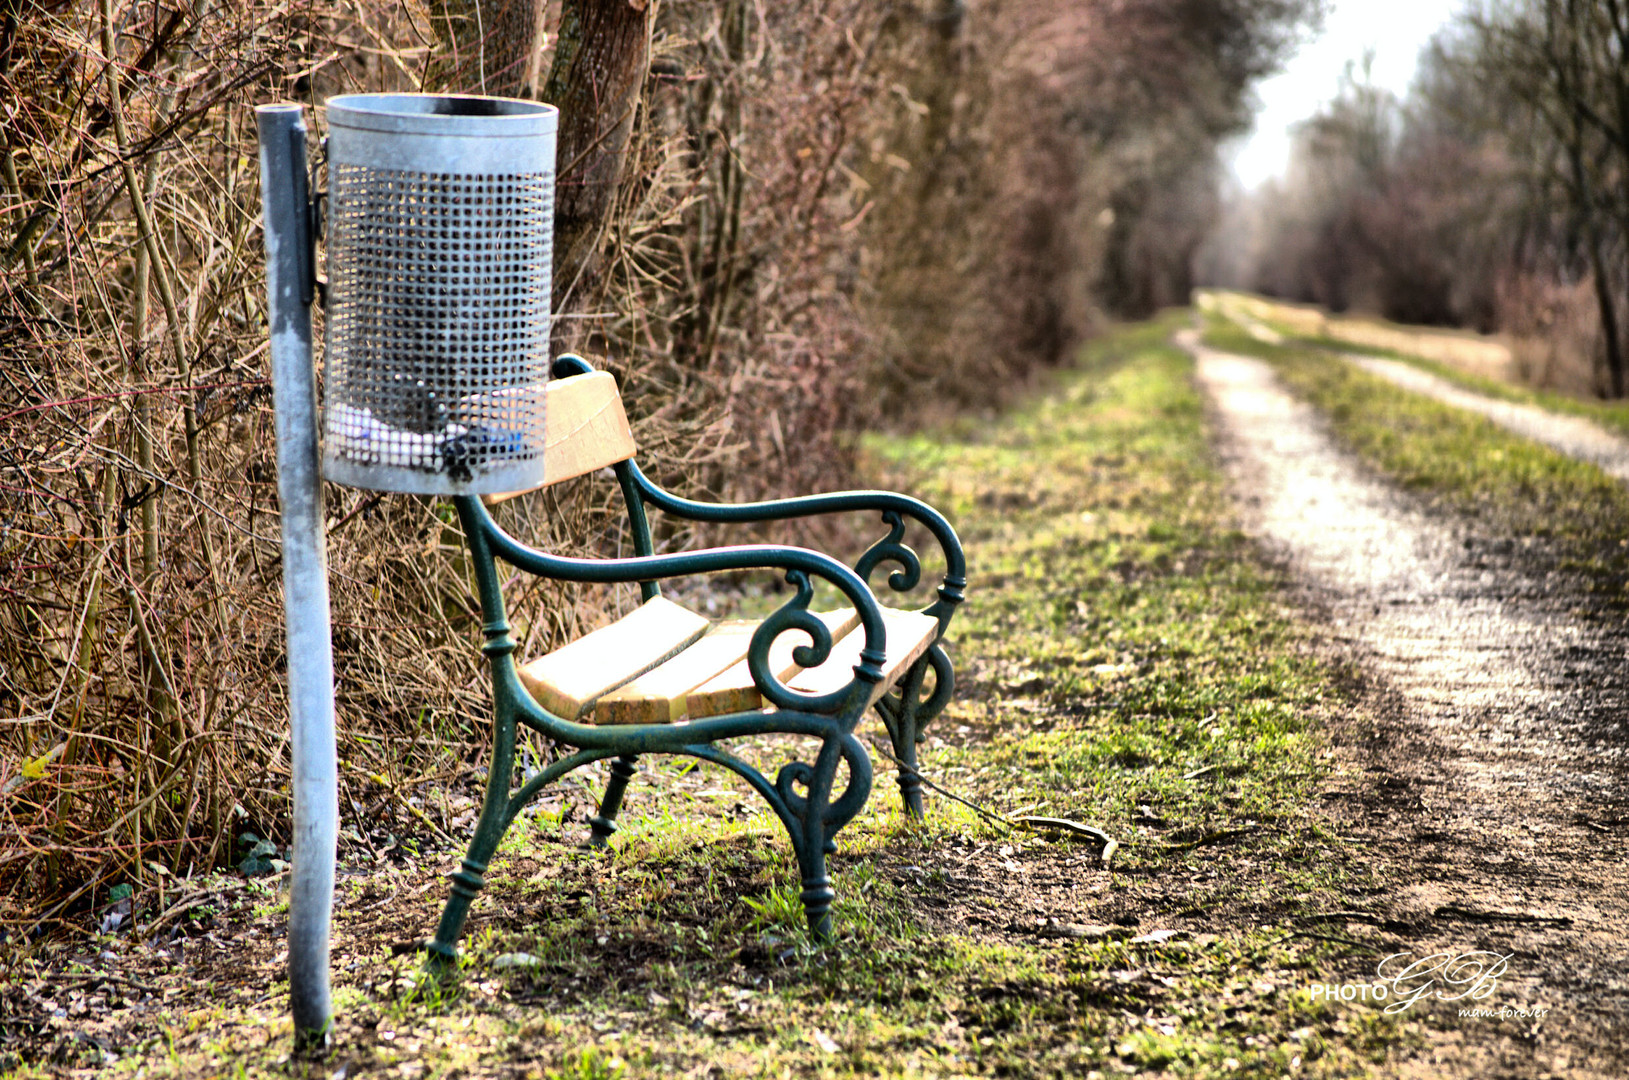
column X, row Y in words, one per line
column 824, row 216
column 1555, row 331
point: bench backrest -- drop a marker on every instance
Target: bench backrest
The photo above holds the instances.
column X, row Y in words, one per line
column 587, row 429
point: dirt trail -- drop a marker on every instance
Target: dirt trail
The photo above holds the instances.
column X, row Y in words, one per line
column 1486, row 772
column 1571, row 435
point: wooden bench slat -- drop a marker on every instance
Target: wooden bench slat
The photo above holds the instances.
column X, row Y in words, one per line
column 569, row 680
column 585, row 428
column 733, row 691
column 658, row 696
column 909, row 633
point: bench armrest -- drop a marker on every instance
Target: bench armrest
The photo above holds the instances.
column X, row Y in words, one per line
column 487, row 540
column 895, row 509
column 639, row 489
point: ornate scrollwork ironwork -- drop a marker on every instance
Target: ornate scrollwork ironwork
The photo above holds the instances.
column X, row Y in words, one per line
column 794, row 615
column 895, row 709
column 795, row 772
column 782, row 795
column 892, row 548
column 841, row 810
column 889, row 708
column 944, row 685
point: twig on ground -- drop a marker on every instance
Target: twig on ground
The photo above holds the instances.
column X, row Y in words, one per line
column 1027, row 823
column 97, row 977
column 1217, row 837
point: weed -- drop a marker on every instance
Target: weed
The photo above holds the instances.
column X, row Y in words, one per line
column 589, row 1065
column 779, row 910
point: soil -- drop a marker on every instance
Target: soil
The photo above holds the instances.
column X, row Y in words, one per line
column 1484, row 768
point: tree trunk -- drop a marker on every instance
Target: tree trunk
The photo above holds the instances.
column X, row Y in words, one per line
column 601, row 57
column 1564, row 28
column 488, row 47
column 1609, row 315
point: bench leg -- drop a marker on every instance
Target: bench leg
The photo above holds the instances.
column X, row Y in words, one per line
column 489, row 830
column 907, row 716
column 812, row 843
column 903, row 733
column 817, row 895
column 604, row 823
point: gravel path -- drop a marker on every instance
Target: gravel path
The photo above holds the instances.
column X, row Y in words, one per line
column 1571, row 435
column 1486, row 769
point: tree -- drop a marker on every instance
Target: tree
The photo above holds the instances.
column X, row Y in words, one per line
column 1508, row 163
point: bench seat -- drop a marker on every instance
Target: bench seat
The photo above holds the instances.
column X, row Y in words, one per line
column 662, row 663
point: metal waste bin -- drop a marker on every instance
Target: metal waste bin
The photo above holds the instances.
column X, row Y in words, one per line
column 439, row 240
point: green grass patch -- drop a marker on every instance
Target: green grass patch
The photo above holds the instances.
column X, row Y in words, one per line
column 1121, row 635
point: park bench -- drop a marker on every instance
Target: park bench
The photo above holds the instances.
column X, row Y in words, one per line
column 663, row 679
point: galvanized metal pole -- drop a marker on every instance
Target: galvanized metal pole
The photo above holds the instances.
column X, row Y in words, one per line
column 285, row 198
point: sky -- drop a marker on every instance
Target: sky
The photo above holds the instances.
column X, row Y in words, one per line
column 1395, row 29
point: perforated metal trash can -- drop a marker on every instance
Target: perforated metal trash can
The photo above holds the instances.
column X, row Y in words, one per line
column 439, row 239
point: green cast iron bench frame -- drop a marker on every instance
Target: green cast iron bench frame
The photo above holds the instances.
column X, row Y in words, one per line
column 813, row 817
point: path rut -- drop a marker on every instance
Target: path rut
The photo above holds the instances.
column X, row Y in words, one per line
column 1571, row 435
column 1486, row 769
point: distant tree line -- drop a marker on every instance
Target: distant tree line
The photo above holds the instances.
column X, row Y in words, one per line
column 1495, row 196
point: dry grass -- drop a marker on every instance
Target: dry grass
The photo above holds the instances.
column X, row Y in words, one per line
column 141, row 664
column 1475, row 354
column 139, row 614
column 1552, row 339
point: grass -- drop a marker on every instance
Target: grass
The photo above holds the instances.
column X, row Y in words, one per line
column 1124, row 661
column 1506, row 486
